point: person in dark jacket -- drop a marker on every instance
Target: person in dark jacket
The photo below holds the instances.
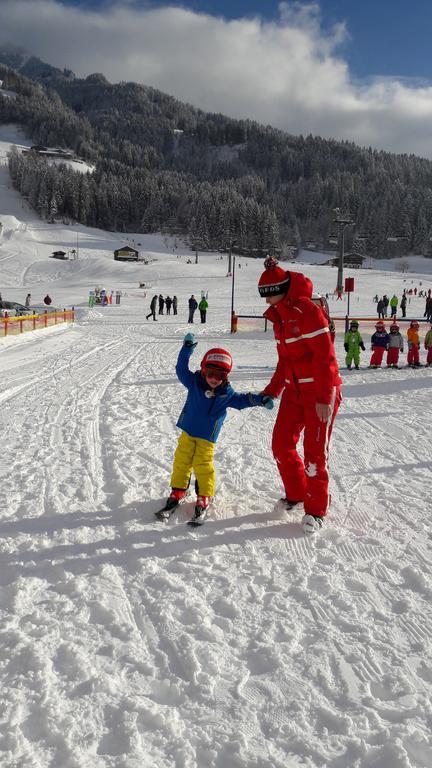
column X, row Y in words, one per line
column 403, row 305
column 174, row 305
column 153, row 305
column 380, row 309
column 168, row 304
column 193, row 304
column 48, row 300
column 161, row 304
column 428, row 309
column 209, row 396
column 379, row 344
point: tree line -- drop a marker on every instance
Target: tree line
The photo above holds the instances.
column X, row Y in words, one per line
column 161, row 165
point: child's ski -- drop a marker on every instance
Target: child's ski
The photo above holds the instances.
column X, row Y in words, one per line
column 200, row 516
column 168, row 509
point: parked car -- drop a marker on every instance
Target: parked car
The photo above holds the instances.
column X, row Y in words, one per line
column 39, row 309
column 14, row 308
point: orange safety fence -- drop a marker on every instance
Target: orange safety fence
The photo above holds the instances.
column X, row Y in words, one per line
column 12, row 326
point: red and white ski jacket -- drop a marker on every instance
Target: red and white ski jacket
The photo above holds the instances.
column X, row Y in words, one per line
column 306, row 359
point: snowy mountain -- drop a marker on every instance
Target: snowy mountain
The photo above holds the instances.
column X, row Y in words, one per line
column 162, row 165
column 127, row 643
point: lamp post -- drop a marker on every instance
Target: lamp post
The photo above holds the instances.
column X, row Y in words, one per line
column 342, row 223
column 231, row 244
column 232, row 287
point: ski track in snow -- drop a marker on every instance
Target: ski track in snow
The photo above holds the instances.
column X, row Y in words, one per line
column 127, row 643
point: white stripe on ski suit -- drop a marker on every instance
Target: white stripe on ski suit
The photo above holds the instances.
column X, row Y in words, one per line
column 308, row 335
column 299, row 381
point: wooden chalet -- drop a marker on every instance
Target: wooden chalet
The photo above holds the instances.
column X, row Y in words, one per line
column 126, row 253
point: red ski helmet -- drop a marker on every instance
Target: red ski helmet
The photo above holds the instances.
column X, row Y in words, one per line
column 394, row 327
column 380, row 325
column 274, row 281
column 217, row 358
column 414, row 324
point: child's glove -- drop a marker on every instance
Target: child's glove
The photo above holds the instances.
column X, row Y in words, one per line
column 267, row 402
column 189, row 340
column 346, row 347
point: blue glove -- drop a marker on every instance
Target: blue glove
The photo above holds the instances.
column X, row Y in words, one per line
column 267, row 402
column 189, row 340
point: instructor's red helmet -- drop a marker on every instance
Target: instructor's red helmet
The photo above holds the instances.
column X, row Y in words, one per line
column 274, row 281
column 217, row 358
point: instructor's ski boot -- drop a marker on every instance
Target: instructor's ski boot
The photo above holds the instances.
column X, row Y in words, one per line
column 311, row 524
column 201, row 510
column 289, row 503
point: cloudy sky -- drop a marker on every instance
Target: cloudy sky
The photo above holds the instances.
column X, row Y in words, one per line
column 349, row 69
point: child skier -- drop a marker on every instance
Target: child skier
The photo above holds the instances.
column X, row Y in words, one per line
column 353, row 343
column 395, row 346
column 379, row 343
column 413, row 358
column 428, row 346
column 209, row 396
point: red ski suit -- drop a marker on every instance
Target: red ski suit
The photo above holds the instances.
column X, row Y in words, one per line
column 307, row 372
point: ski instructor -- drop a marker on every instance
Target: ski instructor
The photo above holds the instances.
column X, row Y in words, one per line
column 308, row 375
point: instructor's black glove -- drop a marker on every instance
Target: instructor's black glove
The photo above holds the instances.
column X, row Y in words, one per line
column 346, row 347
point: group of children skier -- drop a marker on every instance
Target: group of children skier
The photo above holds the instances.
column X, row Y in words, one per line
column 391, row 342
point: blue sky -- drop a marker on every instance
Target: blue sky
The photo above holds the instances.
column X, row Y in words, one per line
column 358, row 70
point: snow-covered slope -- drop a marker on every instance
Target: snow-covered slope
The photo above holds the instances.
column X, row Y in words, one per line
column 128, row 644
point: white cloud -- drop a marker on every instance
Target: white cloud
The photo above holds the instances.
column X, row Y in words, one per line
column 286, row 73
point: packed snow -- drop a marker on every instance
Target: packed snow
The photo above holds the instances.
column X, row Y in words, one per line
column 127, row 643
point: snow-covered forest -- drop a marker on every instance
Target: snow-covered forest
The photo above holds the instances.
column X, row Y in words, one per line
column 127, row 643
column 161, row 165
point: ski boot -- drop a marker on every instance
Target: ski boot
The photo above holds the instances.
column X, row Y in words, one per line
column 311, row 524
column 201, row 510
column 175, row 498
column 289, row 503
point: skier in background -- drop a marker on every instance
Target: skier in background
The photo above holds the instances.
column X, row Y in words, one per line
column 28, row 300
column 353, row 343
column 380, row 309
column 203, row 307
column 168, row 304
column 153, row 305
column 308, row 376
column 395, row 346
column 161, row 304
column 174, row 305
column 201, row 419
column 394, row 301
column 403, row 304
column 379, row 344
column 193, row 304
column 428, row 347
column 413, row 358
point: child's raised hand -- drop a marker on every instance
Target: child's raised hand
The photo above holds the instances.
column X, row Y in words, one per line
column 189, row 340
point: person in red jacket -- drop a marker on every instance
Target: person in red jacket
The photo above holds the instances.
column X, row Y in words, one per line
column 307, row 374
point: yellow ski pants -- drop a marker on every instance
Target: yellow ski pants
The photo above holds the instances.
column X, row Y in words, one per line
column 194, row 453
